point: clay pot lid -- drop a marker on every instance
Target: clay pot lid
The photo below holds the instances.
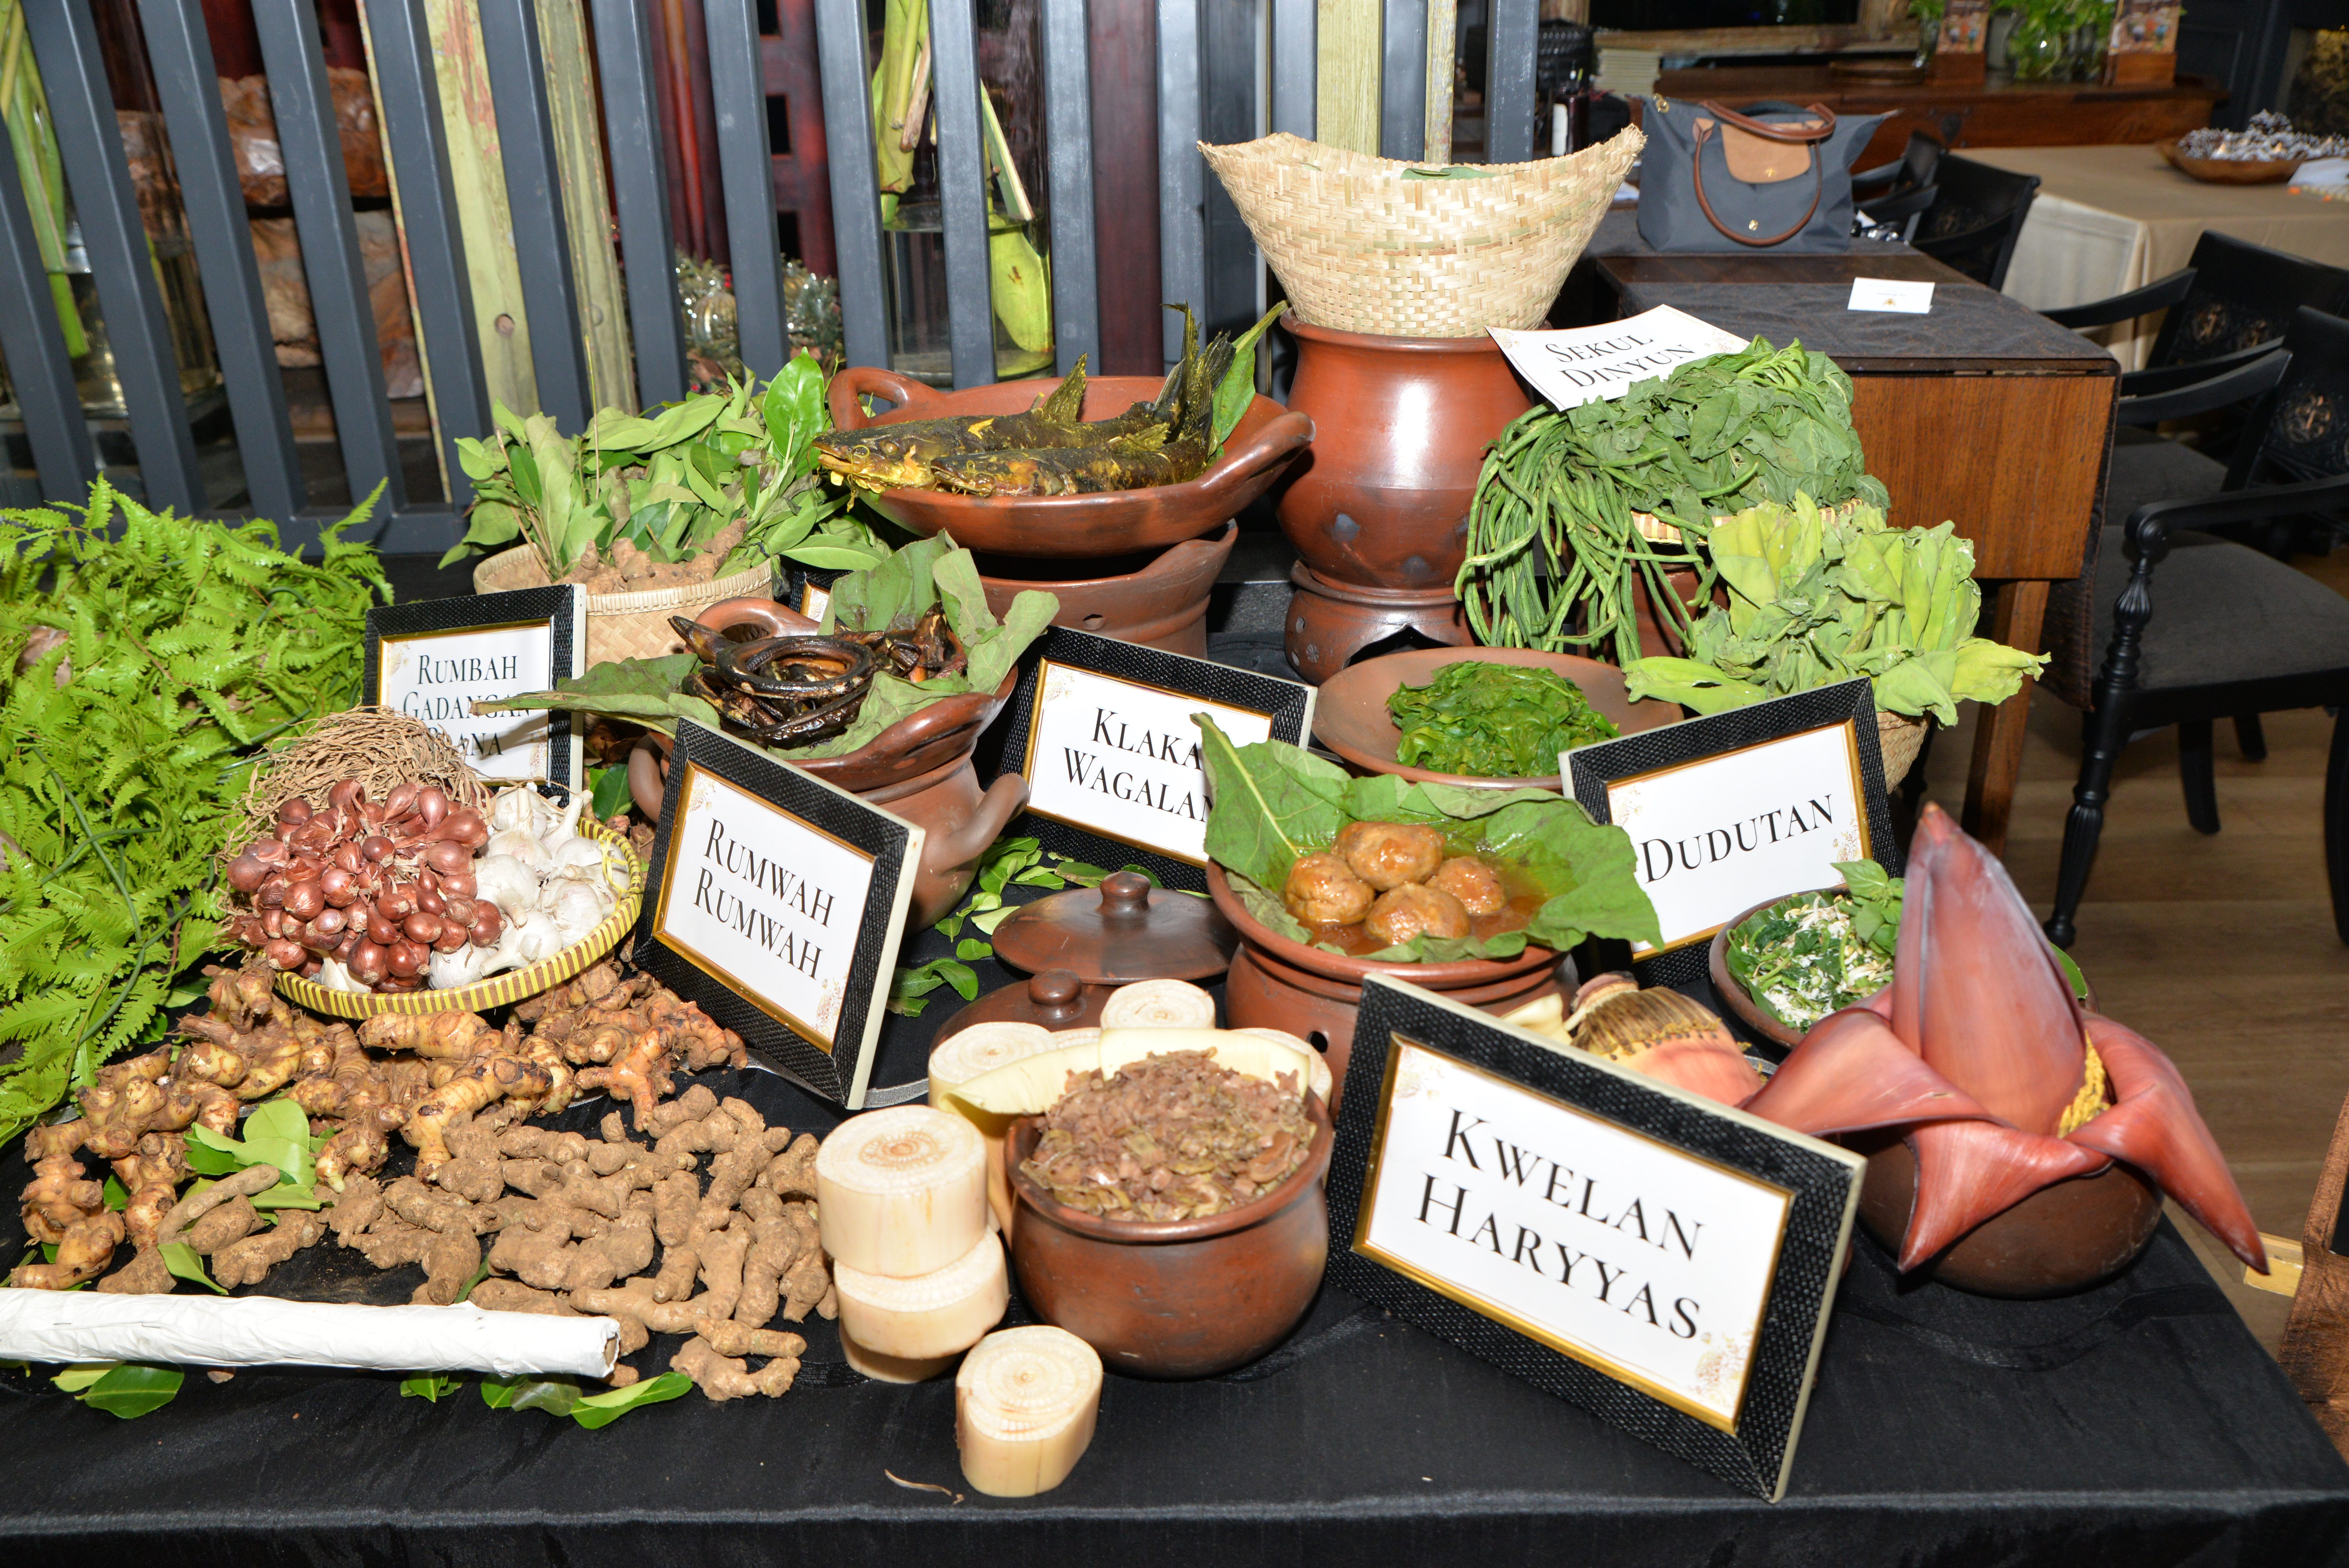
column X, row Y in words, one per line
column 1053, row 999
column 1123, row 932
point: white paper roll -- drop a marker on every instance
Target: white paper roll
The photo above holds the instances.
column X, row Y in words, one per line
column 263, row 1331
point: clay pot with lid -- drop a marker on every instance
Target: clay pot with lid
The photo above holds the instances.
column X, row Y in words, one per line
column 1278, row 983
column 919, row 768
column 1184, row 1298
column 2061, row 1239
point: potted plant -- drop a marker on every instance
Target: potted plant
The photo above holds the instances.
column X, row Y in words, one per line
column 1817, row 597
column 664, row 513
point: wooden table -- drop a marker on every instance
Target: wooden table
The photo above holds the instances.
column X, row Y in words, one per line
column 1982, row 413
column 2111, row 218
column 1965, row 115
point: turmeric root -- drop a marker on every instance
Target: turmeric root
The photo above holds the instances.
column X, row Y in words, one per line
column 450, row 1259
column 483, row 1080
column 57, row 1196
column 231, row 1222
column 693, row 1105
column 730, row 1338
column 730, row 1376
column 512, row 1295
column 355, row 1208
column 83, row 1253
column 191, row 1210
column 248, row 1262
column 145, row 1274
column 792, row 1173
column 639, row 1075
column 436, row 1036
column 721, row 1253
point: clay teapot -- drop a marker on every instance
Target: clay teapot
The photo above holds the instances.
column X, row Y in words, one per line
column 919, row 768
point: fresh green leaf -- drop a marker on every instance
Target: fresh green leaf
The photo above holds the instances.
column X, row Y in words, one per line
column 133, row 1389
column 911, row 985
column 73, row 1379
column 428, row 1385
column 593, row 1411
column 608, row 791
column 1237, row 390
column 116, row 1198
column 278, row 1119
column 642, row 690
column 184, row 1263
column 1269, row 803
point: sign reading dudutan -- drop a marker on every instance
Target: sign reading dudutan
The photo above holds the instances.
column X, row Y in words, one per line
column 1103, row 731
column 435, row 658
column 777, row 902
column 1663, row 1261
column 1736, row 809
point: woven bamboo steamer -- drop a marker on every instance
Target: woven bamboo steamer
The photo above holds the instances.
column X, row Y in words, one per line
column 626, row 626
column 1359, row 248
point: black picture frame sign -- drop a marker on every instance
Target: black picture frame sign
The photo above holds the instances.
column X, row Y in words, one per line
column 474, row 638
column 752, row 909
column 1122, row 755
column 1480, row 1175
column 1739, row 805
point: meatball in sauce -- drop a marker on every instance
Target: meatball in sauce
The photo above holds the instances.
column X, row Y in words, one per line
column 1390, row 854
column 1414, row 910
column 1477, row 885
column 1322, row 889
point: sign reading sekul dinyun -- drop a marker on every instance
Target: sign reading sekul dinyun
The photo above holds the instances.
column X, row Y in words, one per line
column 1585, row 364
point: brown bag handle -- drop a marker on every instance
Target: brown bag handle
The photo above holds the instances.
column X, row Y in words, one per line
column 1696, row 171
column 1768, row 132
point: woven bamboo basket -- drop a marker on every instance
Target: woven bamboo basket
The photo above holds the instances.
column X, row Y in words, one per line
column 498, row 990
column 626, row 626
column 1359, row 248
column 1899, row 738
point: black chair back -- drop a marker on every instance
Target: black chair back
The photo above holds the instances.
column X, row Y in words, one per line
column 1919, row 162
column 2242, row 294
column 1977, row 217
column 2300, row 430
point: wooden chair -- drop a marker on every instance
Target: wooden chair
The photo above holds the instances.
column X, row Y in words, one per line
column 1911, row 171
column 1977, row 217
column 2237, row 631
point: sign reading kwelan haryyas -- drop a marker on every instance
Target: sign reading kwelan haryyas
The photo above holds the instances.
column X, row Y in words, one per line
column 1103, row 730
column 1736, row 809
column 434, row 658
column 1664, row 1262
column 777, row 902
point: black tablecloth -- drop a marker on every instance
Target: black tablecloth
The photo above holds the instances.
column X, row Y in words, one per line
column 2134, row 1426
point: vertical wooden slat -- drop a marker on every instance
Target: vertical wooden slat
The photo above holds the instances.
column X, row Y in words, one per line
column 1402, row 80
column 1231, row 43
column 632, row 131
column 90, row 143
column 34, row 348
column 856, row 200
column 1181, row 172
column 1068, row 151
column 746, row 172
column 1124, row 68
column 1346, row 68
column 1443, row 30
column 1513, row 34
column 787, row 65
column 534, row 192
column 962, row 189
column 1293, row 47
column 180, row 49
column 313, row 151
column 418, row 146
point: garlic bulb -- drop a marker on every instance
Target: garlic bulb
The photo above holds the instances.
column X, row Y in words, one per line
column 578, row 910
column 523, row 809
column 565, row 825
column 942, row 1312
column 507, row 882
column 901, row 1192
column 580, row 860
column 335, row 975
column 1025, row 1403
column 1156, row 1004
column 448, row 970
column 532, row 938
column 515, row 843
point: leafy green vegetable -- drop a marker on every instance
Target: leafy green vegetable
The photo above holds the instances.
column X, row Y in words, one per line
column 1272, row 802
column 1816, row 598
column 669, row 482
column 642, row 691
column 124, row 1389
column 431, row 1387
column 185, row 1264
column 562, row 1396
column 1237, row 390
column 1804, row 957
column 593, row 1411
column 1874, row 896
column 1555, row 555
column 607, row 790
column 165, row 651
column 1494, row 721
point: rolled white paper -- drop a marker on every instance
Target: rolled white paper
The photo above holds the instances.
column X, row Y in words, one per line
column 263, row 1331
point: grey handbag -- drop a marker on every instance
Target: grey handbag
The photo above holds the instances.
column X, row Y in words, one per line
column 1773, row 178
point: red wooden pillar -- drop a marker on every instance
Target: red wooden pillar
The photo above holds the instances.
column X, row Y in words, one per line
column 795, row 118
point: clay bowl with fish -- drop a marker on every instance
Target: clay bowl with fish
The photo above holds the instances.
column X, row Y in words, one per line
column 1351, row 716
column 1109, row 522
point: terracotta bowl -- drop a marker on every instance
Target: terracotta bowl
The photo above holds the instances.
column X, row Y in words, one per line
column 2059, row 1239
column 1278, row 983
column 1185, row 1298
column 1113, row 523
column 1350, row 718
column 1158, row 599
column 2228, row 170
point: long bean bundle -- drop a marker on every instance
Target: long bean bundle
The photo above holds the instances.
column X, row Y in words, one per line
column 1557, row 558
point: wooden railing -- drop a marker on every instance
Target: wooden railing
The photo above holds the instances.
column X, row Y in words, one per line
column 66, row 47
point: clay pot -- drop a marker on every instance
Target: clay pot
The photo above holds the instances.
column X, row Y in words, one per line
column 1350, row 717
column 2059, row 1239
column 1399, row 425
column 1113, row 523
column 1279, row 984
column 1159, row 603
column 1187, row 1298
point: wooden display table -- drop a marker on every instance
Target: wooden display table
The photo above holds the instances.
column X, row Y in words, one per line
column 1964, row 115
column 1982, row 412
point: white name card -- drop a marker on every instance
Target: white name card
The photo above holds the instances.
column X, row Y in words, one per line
column 1715, row 837
column 434, row 659
column 1648, row 1263
column 1892, row 294
column 1584, row 363
column 765, row 902
column 1121, row 758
